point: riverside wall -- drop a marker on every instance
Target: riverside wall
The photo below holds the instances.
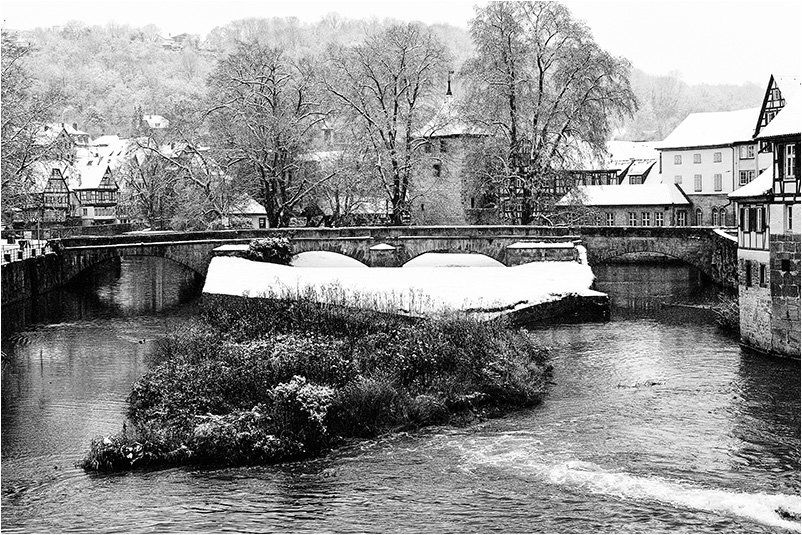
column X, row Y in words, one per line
column 28, row 278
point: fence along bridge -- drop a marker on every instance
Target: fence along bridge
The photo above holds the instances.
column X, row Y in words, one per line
column 706, row 249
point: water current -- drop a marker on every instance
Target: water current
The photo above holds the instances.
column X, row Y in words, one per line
column 656, row 421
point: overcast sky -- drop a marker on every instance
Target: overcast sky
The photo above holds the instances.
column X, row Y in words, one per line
column 707, row 41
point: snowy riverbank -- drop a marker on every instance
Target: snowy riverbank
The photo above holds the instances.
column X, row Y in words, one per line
column 411, row 289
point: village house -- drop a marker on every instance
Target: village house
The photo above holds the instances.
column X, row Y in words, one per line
column 709, row 155
column 97, row 194
column 769, row 228
column 59, row 203
column 246, row 213
column 645, row 205
column 624, row 162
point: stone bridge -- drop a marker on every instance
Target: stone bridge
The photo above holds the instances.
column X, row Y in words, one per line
column 709, row 250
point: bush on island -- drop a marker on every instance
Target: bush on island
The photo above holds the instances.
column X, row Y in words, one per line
column 270, row 380
column 275, row 250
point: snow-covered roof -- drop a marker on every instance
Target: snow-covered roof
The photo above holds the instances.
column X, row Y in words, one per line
column 619, row 195
column 631, row 150
column 248, row 206
column 85, row 176
column 155, row 121
column 786, row 122
column 712, row 129
column 759, row 187
column 640, row 167
column 619, row 155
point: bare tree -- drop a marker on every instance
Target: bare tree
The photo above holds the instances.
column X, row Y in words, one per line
column 24, row 113
column 149, row 185
column 541, row 81
column 384, row 83
column 265, row 107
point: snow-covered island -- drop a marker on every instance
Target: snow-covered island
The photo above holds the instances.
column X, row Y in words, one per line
column 425, row 285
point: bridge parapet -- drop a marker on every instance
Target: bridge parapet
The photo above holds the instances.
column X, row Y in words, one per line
column 700, row 247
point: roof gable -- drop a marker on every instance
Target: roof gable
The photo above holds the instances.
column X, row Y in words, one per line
column 780, row 90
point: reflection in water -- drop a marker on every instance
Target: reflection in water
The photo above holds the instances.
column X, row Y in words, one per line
column 127, row 286
column 656, row 422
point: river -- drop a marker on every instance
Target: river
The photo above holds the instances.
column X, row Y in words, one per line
column 656, row 422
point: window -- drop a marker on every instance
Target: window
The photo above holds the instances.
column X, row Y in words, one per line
column 722, row 217
column 677, row 179
column 658, row 219
column 262, row 222
column 698, row 217
column 785, row 264
column 789, row 217
column 473, row 202
column 85, row 211
column 762, row 272
column 436, row 169
column 790, row 161
column 714, row 219
column 678, row 159
column 697, row 158
column 443, row 146
column 746, row 177
column 746, row 152
column 636, row 179
column 633, row 219
column 646, row 219
column 716, row 157
column 717, row 182
column 682, row 218
column 748, row 273
column 697, row 182
column 610, row 219
column 427, row 148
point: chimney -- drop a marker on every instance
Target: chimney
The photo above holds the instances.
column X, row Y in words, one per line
column 448, row 91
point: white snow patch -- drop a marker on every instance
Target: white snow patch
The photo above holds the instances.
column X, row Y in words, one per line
column 541, row 245
column 231, row 247
column 452, row 260
column 383, row 247
column 420, row 290
column 324, row 259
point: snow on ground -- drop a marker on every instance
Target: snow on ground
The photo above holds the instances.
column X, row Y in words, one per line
column 420, row 290
column 452, row 260
column 324, row 259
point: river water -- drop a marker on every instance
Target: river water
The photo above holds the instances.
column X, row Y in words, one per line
column 656, row 422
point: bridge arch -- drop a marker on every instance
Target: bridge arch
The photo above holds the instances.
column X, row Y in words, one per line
column 77, row 263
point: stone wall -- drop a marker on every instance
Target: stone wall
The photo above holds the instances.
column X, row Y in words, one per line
column 754, row 301
column 707, row 203
column 785, row 295
column 26, row 278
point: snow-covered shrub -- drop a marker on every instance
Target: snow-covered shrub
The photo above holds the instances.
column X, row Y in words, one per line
column 274, row 250
column 299, row 408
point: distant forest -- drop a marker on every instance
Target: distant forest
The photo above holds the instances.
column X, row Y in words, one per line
column 107, row 74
